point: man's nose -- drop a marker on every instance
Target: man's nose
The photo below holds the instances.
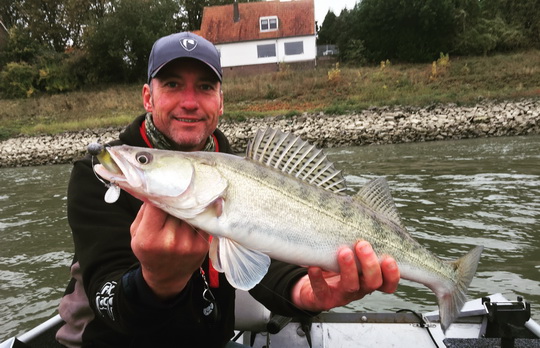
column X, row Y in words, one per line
column 189, row 99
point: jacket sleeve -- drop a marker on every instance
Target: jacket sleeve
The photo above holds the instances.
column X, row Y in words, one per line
column 115, row 289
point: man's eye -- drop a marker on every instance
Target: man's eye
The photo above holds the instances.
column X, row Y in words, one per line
column 171, row 84
column 207, row 87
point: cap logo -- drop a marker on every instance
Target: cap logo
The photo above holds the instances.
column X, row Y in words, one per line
column 188, row 44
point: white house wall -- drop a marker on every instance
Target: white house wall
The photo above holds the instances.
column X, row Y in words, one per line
column 245, row 53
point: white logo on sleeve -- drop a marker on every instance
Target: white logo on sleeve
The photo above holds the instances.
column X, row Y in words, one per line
column 104, row 299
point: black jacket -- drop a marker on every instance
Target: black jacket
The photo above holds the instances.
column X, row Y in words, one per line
column 126, row 312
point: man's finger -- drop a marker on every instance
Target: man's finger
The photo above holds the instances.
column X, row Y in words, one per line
column 348, row 271
column 390, row 274
column 369, row 266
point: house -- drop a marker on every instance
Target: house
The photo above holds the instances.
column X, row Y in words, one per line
column 259, row 36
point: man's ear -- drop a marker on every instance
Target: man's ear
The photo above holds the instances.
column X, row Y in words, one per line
column 147, row 97
column 221, row 103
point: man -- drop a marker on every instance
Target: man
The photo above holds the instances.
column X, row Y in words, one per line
column 142, row 278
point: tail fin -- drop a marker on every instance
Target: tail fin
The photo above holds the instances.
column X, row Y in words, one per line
column 450, row 303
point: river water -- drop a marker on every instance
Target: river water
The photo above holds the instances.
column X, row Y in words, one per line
column 452, row 195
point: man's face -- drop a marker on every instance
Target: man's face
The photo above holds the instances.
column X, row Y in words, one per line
column 185, row 101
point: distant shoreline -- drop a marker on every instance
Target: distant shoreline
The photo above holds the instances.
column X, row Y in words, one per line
column 382, row 125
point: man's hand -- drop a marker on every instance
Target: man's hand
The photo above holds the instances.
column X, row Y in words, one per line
column 169, row 250
column 320, row 290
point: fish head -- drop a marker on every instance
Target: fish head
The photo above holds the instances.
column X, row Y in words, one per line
column 145, row 173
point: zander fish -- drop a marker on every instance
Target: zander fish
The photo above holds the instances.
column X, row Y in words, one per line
column 283, row 200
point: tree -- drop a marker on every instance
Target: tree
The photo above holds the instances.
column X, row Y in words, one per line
column 118, row 45
column 10, row 12
column 327, row 34
column 406, row 30
column 519, row 15
column 75, row 42
column 54, row 24
column 495, row 25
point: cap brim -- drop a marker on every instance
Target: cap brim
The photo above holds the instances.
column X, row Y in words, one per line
column 154, row 74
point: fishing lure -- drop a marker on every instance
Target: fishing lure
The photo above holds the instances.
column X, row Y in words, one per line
column 113, row 191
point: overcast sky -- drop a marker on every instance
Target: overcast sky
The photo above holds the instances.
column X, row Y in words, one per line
column 322, row 7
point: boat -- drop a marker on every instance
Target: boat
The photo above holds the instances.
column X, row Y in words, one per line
column 490, row 321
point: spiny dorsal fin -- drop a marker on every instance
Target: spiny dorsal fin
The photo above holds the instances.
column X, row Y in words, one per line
column 376, row 194
column 290, row 154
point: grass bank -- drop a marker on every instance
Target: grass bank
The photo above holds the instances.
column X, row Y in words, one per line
column 330, row 88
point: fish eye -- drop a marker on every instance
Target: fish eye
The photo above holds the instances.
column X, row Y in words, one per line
column 144, row 157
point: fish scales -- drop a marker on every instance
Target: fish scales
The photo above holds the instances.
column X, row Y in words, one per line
column 285, row 206
column 318, row 222
column 276, row 196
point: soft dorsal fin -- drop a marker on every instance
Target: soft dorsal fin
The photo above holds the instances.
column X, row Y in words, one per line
column 376, row 194
column 292, row 155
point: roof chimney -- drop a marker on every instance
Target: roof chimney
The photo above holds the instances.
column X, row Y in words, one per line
column 236, row 12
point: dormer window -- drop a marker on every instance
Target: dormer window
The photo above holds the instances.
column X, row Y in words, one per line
column 268, row 23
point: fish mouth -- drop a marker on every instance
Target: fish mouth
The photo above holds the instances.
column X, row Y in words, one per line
column 117, row 169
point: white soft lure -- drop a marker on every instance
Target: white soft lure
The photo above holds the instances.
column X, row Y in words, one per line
column 282, row 200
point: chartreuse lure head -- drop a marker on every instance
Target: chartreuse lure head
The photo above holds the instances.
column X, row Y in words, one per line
column 104, row 157
column 97, row 150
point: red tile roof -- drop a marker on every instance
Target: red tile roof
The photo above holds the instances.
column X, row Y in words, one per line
column 295, row 18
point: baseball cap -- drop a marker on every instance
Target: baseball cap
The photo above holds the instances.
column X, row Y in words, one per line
column 183, row 45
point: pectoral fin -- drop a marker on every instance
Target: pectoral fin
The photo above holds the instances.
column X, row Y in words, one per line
column 243, row 267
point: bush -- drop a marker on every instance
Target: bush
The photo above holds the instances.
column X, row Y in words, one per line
column 50, row 72
column 17, row 80
column 57, row 73
column 354, row 52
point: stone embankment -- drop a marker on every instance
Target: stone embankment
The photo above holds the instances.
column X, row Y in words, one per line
column 374, row 126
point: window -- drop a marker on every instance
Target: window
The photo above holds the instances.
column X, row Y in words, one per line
column 292, row 48
column 268, row 23
column 264, row 51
